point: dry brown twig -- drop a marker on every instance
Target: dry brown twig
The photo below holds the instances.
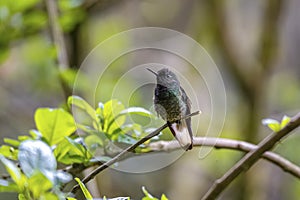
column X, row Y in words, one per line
column 224, row 143
column 251, row 158
column 255, row 153
column 124, row 152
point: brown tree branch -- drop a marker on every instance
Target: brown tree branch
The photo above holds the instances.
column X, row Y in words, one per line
column 57, row 34
column 124, row 152
column 223, row 143
column 59, row 41
column 251, row 158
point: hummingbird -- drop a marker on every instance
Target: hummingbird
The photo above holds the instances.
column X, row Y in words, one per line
column 171, row 103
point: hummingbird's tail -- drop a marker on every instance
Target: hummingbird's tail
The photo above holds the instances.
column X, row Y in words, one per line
column 183, row 133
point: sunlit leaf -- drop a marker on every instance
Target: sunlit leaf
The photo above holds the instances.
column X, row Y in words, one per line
column 35, row 186
column 7, row 186
column 70, row 151
column 36, row 156
column 163, row 197
column 12, row 170
column 12, row 142
column 85, row 191
column 285, row 120
column 50, row 196
column 35, row 134
column 273, row 124
column 111, row 110
column 82, row 104
column 61, row 150
column 22, row 138
column 54, row 124
column 21, row 197
column 9, row 152
column 137, row 110
column 148, row 196
column 93, row 142
column 71, row 198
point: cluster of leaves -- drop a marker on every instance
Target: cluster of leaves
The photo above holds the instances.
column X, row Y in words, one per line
column 88, row 196
column 105, row 127
column 54, row 142
column 20, row 18
column 38, row 165
column 275, row 125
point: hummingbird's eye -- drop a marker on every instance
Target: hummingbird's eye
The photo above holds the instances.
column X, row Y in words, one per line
column 169, row 76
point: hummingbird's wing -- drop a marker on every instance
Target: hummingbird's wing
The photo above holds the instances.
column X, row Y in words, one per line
column 187, row 101
column 181, row 129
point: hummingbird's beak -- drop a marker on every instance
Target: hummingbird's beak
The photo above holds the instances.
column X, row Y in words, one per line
column 152, row 71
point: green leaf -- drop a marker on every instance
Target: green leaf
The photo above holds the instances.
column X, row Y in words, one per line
column 6, row 186
column 35, row 134
column 22, row 197
column 13, row 171
column 148, row 196
column 12, row 142
column 93, row 142
column 163, row 197
column 79, row 147
column 61, row 150
column 9, row 152
column 273, row 124
column 36, row 156
column 285, row 120
column 85, row 191
column 137, row 110
column 82, row 104
column 70, row 151
column 54, row 124
column 111, row 110
column 50, row 196
column 22, row 138
column 71, row 198
column 35, row 186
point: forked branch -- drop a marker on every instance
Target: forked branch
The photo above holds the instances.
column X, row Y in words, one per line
column 124, row 152
column 251, row 158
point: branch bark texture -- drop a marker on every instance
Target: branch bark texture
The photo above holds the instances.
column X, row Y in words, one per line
column 57, row 34
column 250, row 158
column 222, row 143
column 124, row 152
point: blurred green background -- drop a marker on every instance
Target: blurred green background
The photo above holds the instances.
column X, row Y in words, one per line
column 255, row 44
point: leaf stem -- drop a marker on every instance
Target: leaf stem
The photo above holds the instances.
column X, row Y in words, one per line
column 124, row 152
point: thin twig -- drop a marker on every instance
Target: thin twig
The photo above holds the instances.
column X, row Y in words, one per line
column 57, row 34
column 124, row 152
column 251, row 158
column 224, row 143
column 60, row 44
